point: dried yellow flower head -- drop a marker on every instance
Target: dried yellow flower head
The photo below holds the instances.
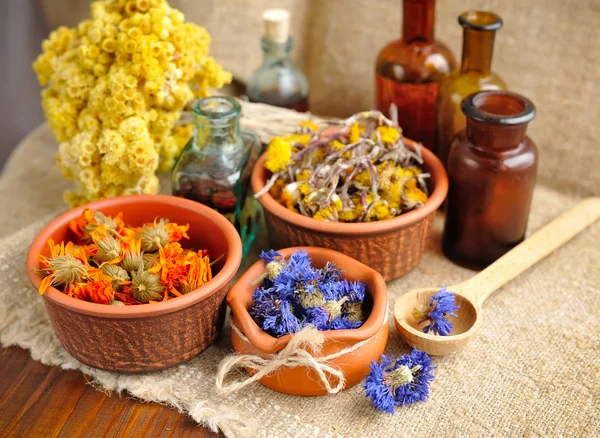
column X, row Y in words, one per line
column 109, row 248
column 274, row 268
column 115, row 273
column 132, row 257
column 334, row 308
column 149, row 259
column 114, row 89
column 154, row 236
column 67, row 270
column 354, row 312
column 146, row 286
column 421, row 312
column 311, row 299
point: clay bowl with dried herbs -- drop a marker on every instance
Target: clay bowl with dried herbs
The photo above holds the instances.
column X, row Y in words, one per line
column 386, row 231
column 143, row 337
column 301, row 380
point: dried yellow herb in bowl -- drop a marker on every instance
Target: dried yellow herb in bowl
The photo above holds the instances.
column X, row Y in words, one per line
column 359, row 171
column 357, row 186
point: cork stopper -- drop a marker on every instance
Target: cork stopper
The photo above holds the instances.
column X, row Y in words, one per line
column 277, row 25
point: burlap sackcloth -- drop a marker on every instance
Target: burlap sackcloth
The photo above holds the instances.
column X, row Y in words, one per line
column 533, row 371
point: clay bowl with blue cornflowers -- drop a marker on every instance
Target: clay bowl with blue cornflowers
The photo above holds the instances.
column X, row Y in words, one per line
column 357, row 186
column 306, row 291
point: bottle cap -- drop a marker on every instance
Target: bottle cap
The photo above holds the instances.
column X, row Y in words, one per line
column 277, row 25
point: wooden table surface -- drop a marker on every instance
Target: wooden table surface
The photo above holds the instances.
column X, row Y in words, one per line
column 41, row 401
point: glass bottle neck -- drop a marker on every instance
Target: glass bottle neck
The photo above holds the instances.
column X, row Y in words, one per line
column 493, row 137
column 418, row 20
column 497, row 120
column 276, row 52
column 478, row 47
column 478, row 40
column 217, row 123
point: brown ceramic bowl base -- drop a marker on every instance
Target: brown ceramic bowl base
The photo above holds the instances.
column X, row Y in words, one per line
column 146, row 337
column 392, row 247
column 140, row 357
column 303, row 380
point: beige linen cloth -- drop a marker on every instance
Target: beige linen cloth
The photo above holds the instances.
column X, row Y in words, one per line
column 534, row 370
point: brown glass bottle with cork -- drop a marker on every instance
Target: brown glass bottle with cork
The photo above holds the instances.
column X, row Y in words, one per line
column 492, row 169
column 408, row 72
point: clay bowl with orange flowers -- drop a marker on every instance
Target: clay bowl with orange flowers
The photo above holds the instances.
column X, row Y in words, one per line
column 392, row 247
column 300, row 380
column 144, row 337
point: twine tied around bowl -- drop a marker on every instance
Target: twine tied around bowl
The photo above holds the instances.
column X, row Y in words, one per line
column 293, row 355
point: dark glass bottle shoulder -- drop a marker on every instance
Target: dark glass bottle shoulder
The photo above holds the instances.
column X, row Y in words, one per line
column 467, row 160
column 457, row 85
column 415, row 61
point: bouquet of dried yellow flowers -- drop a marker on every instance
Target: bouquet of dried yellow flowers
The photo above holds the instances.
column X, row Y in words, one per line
column 114, row 88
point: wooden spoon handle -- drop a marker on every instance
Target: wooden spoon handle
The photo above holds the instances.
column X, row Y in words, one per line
column 531, row 250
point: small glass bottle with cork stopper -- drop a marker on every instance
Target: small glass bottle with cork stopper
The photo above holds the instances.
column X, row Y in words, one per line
column 277, row 81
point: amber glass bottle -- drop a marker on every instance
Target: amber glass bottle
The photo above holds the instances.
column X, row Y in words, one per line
column 492, row 168
column 408, row 72
column 479, row 30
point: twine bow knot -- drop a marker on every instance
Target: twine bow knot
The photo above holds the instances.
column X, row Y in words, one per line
column 294, row 354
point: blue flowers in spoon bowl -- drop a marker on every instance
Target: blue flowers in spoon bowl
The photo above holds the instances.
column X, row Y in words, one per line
column 441, row 305
column 294, row 294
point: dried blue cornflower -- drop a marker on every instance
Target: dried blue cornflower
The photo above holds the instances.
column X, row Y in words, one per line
column 354, row 290
column 318, row 317
column 345, row 323
column 274, row 266
column 331, row 272
column 270, row 255
column 331, row 290
column 294, row 294
column 441, row 305
column 297, row 272
column 282, row 321
column 396, row 382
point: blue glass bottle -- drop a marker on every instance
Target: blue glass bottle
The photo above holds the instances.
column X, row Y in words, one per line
column 277, row 81
column 214, row 167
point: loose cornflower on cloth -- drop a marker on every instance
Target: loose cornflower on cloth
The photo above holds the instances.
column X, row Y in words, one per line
column 399, row 381
column 359, row 171
column 295, row 294
column 114, row 264
column 441, row 305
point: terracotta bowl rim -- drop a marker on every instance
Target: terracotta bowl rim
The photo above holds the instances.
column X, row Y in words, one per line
column 222, row 279
column 440, row 190
column 270, row 344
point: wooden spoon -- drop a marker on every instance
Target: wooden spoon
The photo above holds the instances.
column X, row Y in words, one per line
column 471, row 294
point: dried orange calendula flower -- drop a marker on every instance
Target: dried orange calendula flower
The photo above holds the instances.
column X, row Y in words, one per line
column 110, row 263
column 65, row 266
